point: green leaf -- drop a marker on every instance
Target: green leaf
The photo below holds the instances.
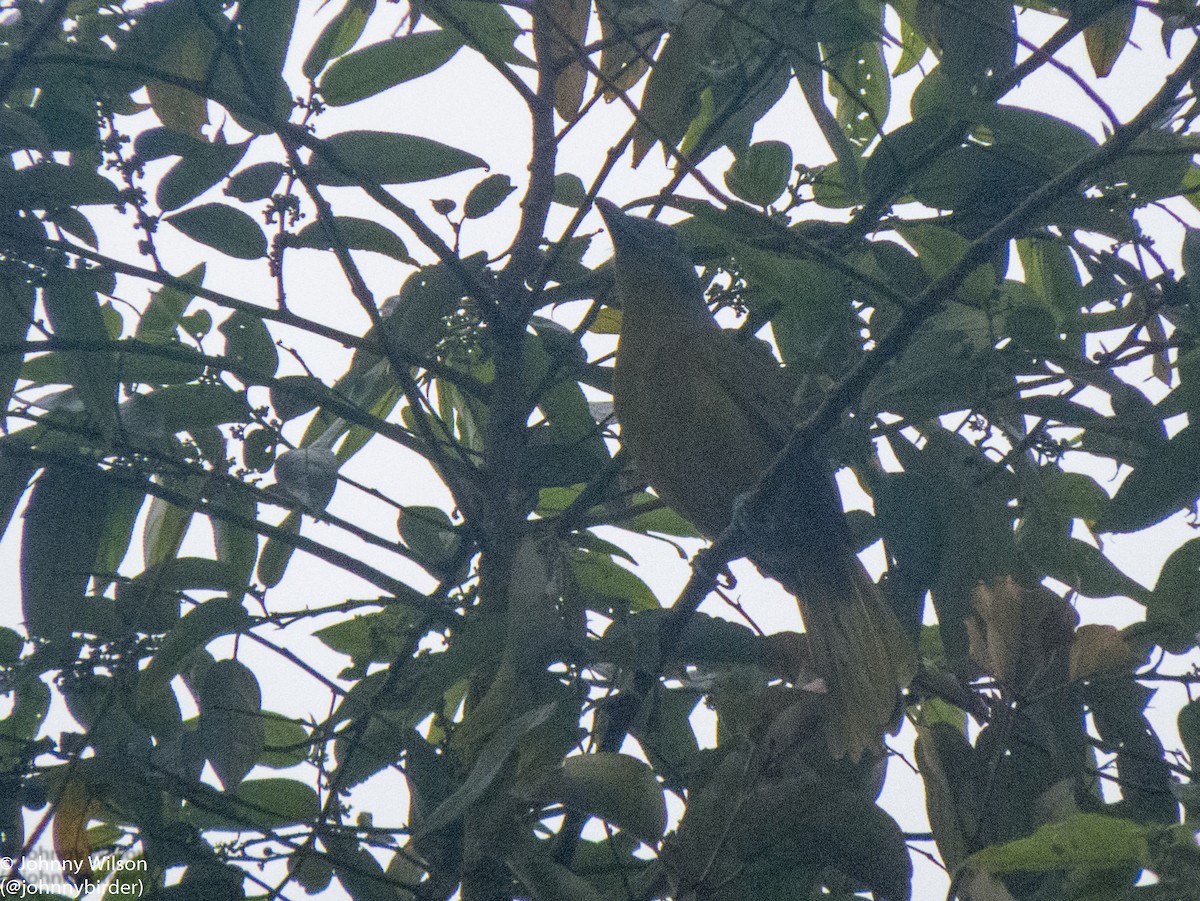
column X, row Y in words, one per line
column 74, row 311
column 295, row 395
column 255, row 182
column 487, row 195
column 64, row 522
column 191, row 408
column 487, row 767
column 231, row 724
column 263, row 804
column 338, row 36
column 150, row 601
column 162, row 316
column 24, row 720
column 861, row 86
column 1161, row 485
column 1173, row 608
column 50, row 185
column 273, row 561
column 374, row 69
column 202, row 166
column 363, row 752
column 485, row 26
column 602, row 582
column 285, row 741
column 248, row 341
column 1189, row 729
column 1083, row 839
column 355, row 234
column 614, row 787
column 309, row 475
column 222, row 228
column 569, row 190
column 1107, row 36
column 199, row 626
column 385, row 158
column 16, row 315
column 760, row 173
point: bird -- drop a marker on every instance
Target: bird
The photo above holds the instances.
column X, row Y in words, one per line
column 703, row 414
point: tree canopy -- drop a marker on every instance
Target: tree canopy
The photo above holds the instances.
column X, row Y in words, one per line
column 990, row 311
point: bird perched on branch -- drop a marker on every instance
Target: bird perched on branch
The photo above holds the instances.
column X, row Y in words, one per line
column 703, row 415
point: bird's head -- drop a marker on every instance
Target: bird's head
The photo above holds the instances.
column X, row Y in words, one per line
column 652, row 264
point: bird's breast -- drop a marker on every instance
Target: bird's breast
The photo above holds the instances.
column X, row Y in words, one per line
column 687, row 441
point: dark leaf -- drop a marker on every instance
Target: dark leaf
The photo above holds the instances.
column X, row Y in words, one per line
column 255, row 182
column 222, row 228
column 309, row 475
column 374, row 69
column 760, row 173
column 487, row 195
column 385, row 158
column 338, row 36
column 354, row 234
column 231, row 723
column 64, row 522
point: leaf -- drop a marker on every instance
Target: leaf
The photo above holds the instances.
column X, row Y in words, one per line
column 64, row 521
column 1097, row 648
column 150, row 601
column 309, row 475
column 231, row 724
column 222, row 228
column 1173, row 608
column 373, row 69
column 263, row 804
column 202, row 166
column 569, row 190
column 602, row 582
column 255, row 182
column 355, row 234
column 74, row 311
column 193, row 408
column 285, row 741
column 950, row 772
column 974, row 43
column 487, row 195
column 273, row 561
column 248, row 341
column 338, row 36
column 672, row 95
column 1084, row 839
column 199, row 626
column 760, row 173
column 1107, row 36
column 362, row 752
column 549, row 880
column 863, row 93
column 1189, row 729
column 566, row 22
column 74, row 808
column 385, row 158
column 16, row 315
column 485, row 26
column 1161, row 485
column 49, row 185
column 487, row 767
column 614, row 787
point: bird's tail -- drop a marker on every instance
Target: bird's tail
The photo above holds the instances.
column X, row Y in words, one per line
column 857, row 646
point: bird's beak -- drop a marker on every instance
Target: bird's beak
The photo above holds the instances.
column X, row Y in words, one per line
column 609, row 211
column 615, row 220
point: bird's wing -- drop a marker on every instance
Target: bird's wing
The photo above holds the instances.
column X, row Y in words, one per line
column 751, row 377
